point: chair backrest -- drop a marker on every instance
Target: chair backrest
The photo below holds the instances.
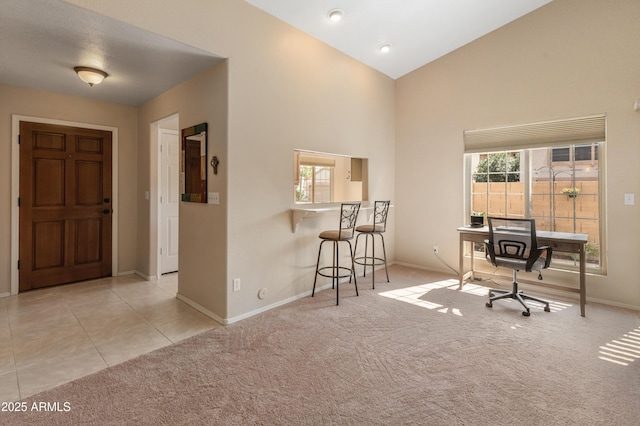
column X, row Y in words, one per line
column 380, row 212
column 348, row 218
column 512, row 238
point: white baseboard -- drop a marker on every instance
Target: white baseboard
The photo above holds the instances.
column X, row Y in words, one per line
column 610, row 303
column 539, row 289
column 275, row 305
column 5, row 295
column 288, row 300
column 424, row 268
column 145, row 277
column 201, row 309
column 228, row 321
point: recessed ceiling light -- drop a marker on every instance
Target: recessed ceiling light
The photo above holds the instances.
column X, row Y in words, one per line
column 335, row 15
column 385, row 48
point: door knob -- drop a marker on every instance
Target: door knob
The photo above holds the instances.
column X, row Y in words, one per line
column 106, row 200
column 106, row 211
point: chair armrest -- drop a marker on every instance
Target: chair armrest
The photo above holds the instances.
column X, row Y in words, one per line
column 490, row 252
column 534, row 256
column 549, row 251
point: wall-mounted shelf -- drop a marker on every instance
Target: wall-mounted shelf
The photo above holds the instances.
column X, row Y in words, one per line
column 299, row 213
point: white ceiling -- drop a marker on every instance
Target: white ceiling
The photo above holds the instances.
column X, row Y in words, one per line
column 42, row 40
column 419, row 31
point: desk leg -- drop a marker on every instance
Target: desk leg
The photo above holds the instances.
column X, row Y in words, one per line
column 583, row 273
column 472, row 274
column 461, row 261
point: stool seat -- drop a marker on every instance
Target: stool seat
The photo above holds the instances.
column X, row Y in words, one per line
column 345, row 233
column 371, row 228
column 339, row 235
column 378, row 227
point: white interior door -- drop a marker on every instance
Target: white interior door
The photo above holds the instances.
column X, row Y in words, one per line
column 169, row 199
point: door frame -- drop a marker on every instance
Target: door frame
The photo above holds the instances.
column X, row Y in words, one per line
column 15, row 189
column 162, row 203
column 154, row 188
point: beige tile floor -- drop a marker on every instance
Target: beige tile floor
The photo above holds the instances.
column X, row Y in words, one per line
column 52, row 336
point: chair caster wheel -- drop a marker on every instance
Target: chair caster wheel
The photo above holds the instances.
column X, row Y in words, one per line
column 546, row 309
column 489, row 305
column 526, row 313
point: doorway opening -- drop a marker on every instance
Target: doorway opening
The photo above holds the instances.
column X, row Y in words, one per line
column 165, row 193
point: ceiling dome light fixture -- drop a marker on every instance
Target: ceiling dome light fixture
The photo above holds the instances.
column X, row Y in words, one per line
column 385, row 48
column 90, row 76
column 335, row 15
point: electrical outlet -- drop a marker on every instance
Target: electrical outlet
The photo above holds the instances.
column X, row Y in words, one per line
column 435, row 249
column 236, row 284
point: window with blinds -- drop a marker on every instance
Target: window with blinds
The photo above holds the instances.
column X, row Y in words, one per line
column 551, row 171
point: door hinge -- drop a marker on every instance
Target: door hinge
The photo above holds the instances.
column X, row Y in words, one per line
column 18, row 264
column 18, row 201
column 160, row 250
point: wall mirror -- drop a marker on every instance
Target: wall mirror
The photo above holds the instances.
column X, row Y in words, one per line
column 329, row 178
column 194, row 163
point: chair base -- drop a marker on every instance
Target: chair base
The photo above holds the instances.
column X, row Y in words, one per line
column 372, row 260
column 517, row 295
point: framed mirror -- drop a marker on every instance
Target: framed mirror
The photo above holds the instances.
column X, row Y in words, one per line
column 194, row 163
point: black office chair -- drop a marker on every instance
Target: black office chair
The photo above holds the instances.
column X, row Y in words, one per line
column 345, row 232
column 513, row 244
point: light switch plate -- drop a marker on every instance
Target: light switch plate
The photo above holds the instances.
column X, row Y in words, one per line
column 629, row 199
column 214, row 198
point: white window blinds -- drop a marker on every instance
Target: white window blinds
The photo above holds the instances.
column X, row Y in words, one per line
column 317, row 160
column 580, row 130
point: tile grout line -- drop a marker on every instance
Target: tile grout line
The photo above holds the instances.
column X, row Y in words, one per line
column 85, row 330
column 13, row 351
column 171, row 342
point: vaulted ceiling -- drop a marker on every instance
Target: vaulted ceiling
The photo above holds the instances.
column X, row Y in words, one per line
column 41, row 41
column 418, row 31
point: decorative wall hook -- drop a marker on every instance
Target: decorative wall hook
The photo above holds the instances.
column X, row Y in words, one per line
column 214, row 164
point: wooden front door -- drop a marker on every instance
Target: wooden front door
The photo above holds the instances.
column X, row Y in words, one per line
column 65, row 204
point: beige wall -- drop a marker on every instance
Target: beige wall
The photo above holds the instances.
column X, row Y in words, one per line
column 203, row 227
column 286, row 90
column 569, row 58
column 35, row 103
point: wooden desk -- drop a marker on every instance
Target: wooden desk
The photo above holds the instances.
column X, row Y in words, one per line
column 558, row 241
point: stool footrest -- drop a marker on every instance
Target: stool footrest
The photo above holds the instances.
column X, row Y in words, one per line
column 348, row 272
column 369, row 261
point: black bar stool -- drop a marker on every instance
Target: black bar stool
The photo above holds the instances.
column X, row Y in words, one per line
column 378, row 227
column 345, row 232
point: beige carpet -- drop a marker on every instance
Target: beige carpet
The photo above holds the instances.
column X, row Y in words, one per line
column 414, row 351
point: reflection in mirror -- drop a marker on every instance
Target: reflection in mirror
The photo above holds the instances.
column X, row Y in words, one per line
column 194, row 163
column 329, row 178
